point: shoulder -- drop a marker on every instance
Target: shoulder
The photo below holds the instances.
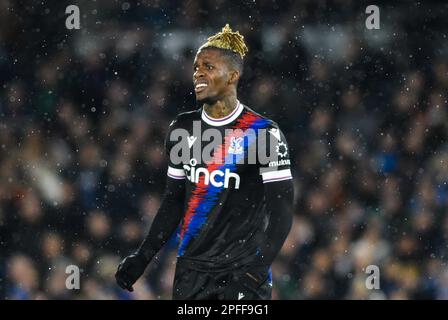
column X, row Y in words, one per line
column 185, row 119
column 264, row 121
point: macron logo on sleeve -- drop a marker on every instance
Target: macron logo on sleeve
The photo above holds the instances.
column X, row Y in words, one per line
column 275, row 132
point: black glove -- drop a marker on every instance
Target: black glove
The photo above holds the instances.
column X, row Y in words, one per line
column 129, row 270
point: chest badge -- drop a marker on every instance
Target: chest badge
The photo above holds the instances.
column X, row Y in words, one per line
column 235, row 145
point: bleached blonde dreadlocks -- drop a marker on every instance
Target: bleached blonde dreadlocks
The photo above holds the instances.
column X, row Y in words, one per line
column 231, row 44
column 228, row 40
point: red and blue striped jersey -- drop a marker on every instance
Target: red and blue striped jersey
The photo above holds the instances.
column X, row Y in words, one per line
column 225, row 163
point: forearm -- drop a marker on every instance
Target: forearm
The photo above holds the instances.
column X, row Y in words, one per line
column 166, row 220
column 279, row 204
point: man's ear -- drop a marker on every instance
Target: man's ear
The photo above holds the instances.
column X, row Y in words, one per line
column 234, row 76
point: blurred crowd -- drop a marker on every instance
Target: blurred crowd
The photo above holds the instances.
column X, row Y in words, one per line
column 84, row 113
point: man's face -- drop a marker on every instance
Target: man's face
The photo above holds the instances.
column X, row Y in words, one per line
column 211, row 75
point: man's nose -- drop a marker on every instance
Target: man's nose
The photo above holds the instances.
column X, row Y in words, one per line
column 198, row 74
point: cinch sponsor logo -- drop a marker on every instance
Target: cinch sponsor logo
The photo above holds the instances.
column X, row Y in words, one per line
column 279, row 163
column 216, row 178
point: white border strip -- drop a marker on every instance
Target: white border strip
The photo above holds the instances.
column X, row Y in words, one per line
column 223, row 121
column 279, row 175
column 177, row 174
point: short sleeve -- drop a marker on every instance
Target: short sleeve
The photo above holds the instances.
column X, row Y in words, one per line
column 274, row 161
column 175, row 168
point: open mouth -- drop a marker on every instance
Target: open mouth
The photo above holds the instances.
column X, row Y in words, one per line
column 199, row 87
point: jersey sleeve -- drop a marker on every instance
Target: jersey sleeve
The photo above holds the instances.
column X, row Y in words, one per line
column 274, row 159
column 175, row 167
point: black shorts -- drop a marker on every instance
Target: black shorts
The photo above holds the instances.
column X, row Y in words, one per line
column 193, row 284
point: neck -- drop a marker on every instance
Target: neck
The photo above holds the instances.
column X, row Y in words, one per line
column 221, row 108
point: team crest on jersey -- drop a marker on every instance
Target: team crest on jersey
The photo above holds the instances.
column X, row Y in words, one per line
column 235, row 145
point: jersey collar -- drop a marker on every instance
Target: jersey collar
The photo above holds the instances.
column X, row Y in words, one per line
column 223, row 121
